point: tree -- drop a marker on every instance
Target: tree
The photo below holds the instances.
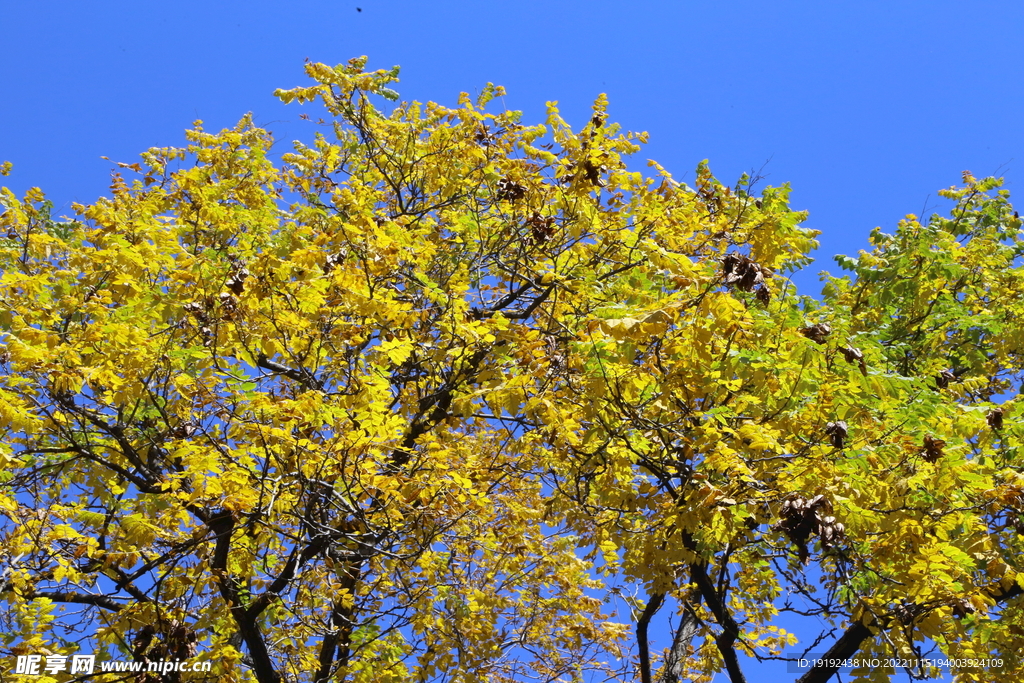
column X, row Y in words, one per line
column 397, row 408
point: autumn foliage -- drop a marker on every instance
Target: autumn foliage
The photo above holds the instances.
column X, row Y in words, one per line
column 405, row 405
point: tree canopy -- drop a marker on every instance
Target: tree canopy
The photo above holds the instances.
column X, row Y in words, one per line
column 442, row 396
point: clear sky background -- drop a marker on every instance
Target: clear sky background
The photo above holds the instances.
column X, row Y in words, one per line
column 866, row 108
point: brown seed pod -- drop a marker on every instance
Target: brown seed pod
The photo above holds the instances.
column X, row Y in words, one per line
column 854, row 355
column 743, row 273
column 817, row 333
column 837, row 432
column 932, row 448
column 509, row 190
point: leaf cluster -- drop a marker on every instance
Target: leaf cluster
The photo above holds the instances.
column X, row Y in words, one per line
column 405, row 406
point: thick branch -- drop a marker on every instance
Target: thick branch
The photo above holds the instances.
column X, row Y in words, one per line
column 730, row 629
column 673, row 670
column 433, row 409
column 295, row 561
column 337, row 645
column 528, row 311
column 641, row 635
column 850, row 642
column 148, row 484
column 506, row 300
column 302, row 376
column 223, row 526
column 844, row 648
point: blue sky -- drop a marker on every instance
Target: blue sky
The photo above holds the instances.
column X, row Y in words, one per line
column 866, row 108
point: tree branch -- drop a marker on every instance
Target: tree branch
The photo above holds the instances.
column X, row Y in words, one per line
column 730, row 629
column 70, row 597
column 337, row 644
column 653, row 605
column 850, row 642
column 688, row 627
column 302, row 375
column 223, row 526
